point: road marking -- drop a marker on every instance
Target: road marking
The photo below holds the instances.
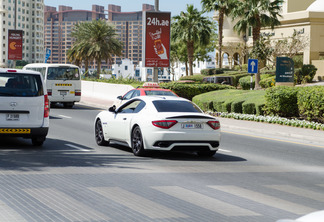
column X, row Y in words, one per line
column 78, row 148
column 67, row 117
column 8, row 214
column 226, row 151
column 204, row 201
column 63, row 203
column 137, row 203
column 279, row 140
column 265, row 199
column 299, row 192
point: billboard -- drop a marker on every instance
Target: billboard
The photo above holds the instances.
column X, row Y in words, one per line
column 284, row 70
column 15, row 43
column 156, row 43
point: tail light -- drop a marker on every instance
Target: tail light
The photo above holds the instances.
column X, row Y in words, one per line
column 77, row 93
column 214, row 124
column 164, row 124
column 49, row 92
column 46, row 106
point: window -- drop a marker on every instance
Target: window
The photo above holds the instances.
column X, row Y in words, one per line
column 175, row 106
column 126, row 67
column 133, row 107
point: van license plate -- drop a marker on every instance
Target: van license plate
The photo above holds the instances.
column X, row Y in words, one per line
column 191, row 126
column 63, row 93
column 12, row 117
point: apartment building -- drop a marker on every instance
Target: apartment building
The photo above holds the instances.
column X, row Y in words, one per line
column 27, row 16
column 59, row 25
column 129, row 29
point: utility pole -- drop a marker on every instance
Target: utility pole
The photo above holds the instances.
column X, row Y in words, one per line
column 156, row 69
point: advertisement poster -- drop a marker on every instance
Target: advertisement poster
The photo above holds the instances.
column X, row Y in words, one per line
column 156, row 32
column 15, row 42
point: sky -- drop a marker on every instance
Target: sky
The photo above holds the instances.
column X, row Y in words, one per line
column 173, row 6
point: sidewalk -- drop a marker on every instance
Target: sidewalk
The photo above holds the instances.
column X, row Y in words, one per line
column 258, row 129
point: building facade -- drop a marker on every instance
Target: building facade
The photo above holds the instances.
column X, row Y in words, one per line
column 28, row 16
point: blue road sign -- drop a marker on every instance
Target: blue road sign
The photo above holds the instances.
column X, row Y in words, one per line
column 48, row 54
column 252, row 66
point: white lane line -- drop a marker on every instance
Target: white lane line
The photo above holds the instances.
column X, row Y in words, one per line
column 78, row 148
column 67, row 117
column 225, row 151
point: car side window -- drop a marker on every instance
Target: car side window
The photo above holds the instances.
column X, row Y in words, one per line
column 128, row 95
column 136, row 93
column 133, row 107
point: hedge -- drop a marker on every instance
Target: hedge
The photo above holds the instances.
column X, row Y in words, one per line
column 311, row 103
column 190, row 90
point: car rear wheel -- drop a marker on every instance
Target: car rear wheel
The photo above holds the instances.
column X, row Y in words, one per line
column 206, row 153
column 38, row 141
column 137, row 142
column 100, row 139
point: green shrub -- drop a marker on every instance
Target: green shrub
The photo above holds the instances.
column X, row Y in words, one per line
column 190, row 90
column 268, row 82
column 305, row 74
column 214, row 71
column 195, row 78
column 245, row 82
column 311, row 103
column 281, row 101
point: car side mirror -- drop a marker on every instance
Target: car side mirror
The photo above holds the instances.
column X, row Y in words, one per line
column 120, row 97
column 112, row 109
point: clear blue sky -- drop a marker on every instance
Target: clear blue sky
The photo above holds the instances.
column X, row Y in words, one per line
column 173, row 6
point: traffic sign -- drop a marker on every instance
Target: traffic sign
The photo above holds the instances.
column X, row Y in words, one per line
column 252, row 66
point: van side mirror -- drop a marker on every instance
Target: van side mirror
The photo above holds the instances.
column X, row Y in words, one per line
column 112, row 109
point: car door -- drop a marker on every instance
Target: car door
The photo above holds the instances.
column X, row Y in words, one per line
column 120, row 125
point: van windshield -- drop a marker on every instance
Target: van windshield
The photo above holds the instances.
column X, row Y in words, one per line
column 20, row 85
column 63, row 73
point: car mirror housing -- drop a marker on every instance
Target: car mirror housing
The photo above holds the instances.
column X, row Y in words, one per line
column 120, row 97
column 112, row 109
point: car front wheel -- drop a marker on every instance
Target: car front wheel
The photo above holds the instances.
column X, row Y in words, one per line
column 137, row 142
column 99, row 136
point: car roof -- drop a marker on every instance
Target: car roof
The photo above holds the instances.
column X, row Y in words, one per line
column 20, row 71
column 154, row 89
column 158, row 97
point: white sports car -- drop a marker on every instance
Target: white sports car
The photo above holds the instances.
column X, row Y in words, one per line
column 159, row 123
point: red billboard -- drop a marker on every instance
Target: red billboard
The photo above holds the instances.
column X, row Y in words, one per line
column 15, row 43
column 156, row 32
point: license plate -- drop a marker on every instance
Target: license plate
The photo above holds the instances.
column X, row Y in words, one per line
column 12, row 117
column 63, row 93
column 191, row 126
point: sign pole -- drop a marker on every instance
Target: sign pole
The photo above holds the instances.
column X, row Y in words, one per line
column 156, row 69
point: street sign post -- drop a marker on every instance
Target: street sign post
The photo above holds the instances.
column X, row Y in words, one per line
column 253, row 69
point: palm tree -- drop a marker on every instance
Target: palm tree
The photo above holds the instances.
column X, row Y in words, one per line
column 257, row 14
column 224, row 8
column 96, row 40
column 191, row 28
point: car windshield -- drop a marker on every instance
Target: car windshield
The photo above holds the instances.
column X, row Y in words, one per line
column 175, row 106
column 22, row 85
column 63, row 73
column 159, row 93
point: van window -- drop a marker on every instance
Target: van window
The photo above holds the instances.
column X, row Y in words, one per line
column 20, row 85
column 63, row 73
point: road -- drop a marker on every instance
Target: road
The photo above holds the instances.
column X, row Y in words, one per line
column 250, row 179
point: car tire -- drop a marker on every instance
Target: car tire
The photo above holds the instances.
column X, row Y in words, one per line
column 137, row 142
column 206, row 153
column 68, row 105
column 99, row 136
column 38, row 141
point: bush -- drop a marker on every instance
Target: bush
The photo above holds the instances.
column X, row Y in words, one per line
column 305, row 74
column 311, row 103
column 245, row 82
column 190, row 90
column 195, row 78
column 281, row 101
column 268, row 82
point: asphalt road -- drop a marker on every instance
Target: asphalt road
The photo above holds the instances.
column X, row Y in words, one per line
column 72, row 179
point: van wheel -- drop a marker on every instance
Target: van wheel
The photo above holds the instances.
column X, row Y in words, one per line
column 68, row 105
column 38, row 141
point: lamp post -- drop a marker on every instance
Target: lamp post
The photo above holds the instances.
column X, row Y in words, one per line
column 156, row 69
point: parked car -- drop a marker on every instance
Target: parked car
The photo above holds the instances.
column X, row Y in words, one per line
column 24, row 105
column 227, row 80
column 148, row 89
column 162, row 123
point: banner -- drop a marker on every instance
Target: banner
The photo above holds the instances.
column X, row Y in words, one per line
column 15, row 43
column 156, row 33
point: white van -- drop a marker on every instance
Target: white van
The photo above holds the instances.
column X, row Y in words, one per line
column 24, row 105
column 63, row 82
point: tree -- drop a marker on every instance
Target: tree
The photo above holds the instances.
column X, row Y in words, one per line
column 257, row 14
column 224, row 8
column 192, row 28
column 95, row 40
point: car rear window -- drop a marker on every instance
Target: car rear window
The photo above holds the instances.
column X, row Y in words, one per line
column 159, row 93
column 20, row 85
column 175, row 106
